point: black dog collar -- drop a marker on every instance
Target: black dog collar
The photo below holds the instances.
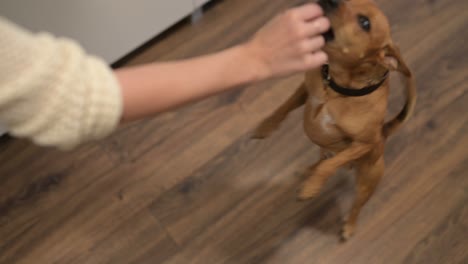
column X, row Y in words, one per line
column 348, row 91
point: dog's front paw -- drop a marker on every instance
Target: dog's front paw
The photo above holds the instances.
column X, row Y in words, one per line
column 264, row 130
column 347, row 232
column 308, row 191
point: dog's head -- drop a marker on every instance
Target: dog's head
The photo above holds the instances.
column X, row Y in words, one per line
column 360, row 35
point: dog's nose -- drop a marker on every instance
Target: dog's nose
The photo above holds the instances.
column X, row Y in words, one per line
column 329, row 5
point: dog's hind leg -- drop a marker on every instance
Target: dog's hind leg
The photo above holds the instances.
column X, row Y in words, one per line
column 368, row 175
column 325, row 168
column 272, row 122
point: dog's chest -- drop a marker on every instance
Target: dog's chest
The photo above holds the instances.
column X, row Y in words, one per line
column 319, row 123
column 320, row 114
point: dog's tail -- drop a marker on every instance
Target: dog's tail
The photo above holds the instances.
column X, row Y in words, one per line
column 393, row 125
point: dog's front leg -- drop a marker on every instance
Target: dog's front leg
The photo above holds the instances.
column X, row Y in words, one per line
column 272, row 122
column 325, row 168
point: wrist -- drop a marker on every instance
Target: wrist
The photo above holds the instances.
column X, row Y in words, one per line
column 253, row 62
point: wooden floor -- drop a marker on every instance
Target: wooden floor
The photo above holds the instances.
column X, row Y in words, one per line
column 190, row 186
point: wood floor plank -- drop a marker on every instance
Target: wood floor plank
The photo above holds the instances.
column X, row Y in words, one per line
column 141, row 234
column 51, row 185
column 443, row 244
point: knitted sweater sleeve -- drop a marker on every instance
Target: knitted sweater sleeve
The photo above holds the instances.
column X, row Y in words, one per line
column 52, row 92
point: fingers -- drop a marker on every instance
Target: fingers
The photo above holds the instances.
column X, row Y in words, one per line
column 309, row 20
column 308, row 12
column 309, row 25
column 312, row 44
column 317, row 26
column 314, row 60
column 291, row 42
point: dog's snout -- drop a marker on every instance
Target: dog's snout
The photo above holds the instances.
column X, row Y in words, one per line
column 329, row 5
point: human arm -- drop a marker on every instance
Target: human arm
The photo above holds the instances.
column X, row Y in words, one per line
column 289, row 43
column 54, row 93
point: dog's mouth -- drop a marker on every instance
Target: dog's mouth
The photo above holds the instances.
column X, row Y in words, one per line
column 329, row 35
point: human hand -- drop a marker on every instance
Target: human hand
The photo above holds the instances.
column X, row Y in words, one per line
column 289, row 43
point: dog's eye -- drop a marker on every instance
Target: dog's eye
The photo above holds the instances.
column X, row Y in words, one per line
column 364, row 23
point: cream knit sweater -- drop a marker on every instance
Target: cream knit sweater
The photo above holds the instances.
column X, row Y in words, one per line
column 52, row 92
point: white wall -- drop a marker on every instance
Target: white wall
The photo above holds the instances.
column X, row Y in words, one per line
column 108, row 28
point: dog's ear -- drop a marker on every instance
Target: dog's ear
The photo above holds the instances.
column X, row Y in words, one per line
column 390, row 57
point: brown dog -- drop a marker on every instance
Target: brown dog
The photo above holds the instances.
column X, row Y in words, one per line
column 346, row 101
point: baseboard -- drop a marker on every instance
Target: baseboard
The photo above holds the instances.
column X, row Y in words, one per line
column 3, row 130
